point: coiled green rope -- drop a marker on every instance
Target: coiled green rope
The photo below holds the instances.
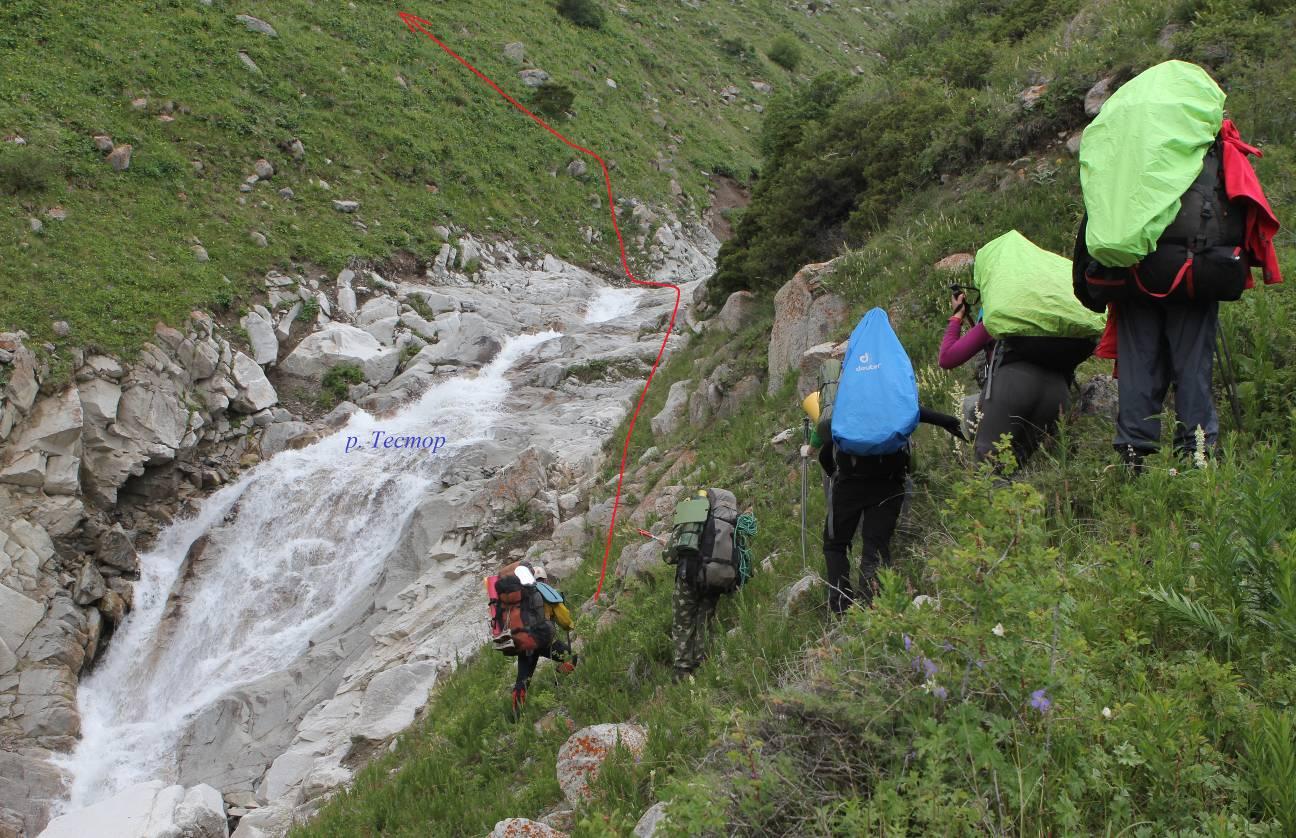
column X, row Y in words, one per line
column 744, row 533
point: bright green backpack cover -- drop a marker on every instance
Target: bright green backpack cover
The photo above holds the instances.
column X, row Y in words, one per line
column 1141, row 153
column 1026, row 292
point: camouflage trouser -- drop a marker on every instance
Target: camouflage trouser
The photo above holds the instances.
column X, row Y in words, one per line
column 688, row 627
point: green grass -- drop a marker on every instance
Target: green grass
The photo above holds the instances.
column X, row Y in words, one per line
column 1157, row 615
column 436, row 148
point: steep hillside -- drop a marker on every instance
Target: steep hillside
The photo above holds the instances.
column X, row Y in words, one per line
column 1077, row 653
column 345, row 104
column 965, row 83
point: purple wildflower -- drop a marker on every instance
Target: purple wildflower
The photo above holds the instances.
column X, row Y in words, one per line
column 907, row 642
column 947, row 646
column 1040, row 701
column 940, row 692
column 929, row 666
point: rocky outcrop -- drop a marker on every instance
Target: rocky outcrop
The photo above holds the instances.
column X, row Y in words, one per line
column 30, row 785
column 801, row 594
column 148, row 810
column 721, row 394
column 583, row 754
column 804, row 315
column 653, row 823
column 524, row 828
column 673, row 412
column 338, row 344
column 736, row 312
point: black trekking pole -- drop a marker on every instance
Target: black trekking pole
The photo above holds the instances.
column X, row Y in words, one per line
column 805, row 455
column 1230, row 377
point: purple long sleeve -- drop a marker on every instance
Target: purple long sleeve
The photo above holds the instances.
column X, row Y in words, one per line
column 956, row 351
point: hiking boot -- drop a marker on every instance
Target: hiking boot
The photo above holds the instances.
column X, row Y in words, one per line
column 519, row 698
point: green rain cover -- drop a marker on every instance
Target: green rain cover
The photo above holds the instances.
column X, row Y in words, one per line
column 1141, row 153
column 1026, row 292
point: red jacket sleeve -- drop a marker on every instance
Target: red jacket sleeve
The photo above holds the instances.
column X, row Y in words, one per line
column 956, row 351
column 1240, row 182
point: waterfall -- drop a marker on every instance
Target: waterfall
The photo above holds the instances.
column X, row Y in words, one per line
column 287, row 547
column 611, row 303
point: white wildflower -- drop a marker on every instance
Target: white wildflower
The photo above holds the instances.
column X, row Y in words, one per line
column 1199, row 452
column 921, row 600
column 1106, row 712
column 998, row 630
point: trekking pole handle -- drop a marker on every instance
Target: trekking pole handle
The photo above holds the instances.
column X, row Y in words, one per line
column 646, row 534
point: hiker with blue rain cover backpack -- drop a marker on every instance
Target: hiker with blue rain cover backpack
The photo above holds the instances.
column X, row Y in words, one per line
column 865, row 418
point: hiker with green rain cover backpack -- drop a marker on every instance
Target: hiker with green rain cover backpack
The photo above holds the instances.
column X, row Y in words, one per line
column 1033, row 335
column 1175, row 219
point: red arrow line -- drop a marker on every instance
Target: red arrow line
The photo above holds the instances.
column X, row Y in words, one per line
column 418, row 24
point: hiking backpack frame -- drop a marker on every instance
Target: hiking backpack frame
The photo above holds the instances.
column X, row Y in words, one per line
column 518, row 625
column 710, row 540
column 1198, row 257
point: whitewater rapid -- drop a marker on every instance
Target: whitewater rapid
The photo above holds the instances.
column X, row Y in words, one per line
column 288, row 547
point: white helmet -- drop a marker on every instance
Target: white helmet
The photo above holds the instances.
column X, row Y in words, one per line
column 539, row 572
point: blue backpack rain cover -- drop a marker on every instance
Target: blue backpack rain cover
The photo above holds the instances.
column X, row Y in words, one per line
column 877, row 398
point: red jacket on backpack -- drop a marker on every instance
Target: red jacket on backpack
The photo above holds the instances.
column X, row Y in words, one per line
column 1241, row 183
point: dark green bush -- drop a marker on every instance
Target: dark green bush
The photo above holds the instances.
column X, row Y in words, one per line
column 337, row 380
column 785, row 52
column 737, row 48
column 585, row 13
column 25, row 171
column 552, row 100
column 841, row 162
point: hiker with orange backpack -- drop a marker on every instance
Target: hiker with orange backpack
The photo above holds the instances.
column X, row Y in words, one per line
column 526, row 613
column 1175, row 221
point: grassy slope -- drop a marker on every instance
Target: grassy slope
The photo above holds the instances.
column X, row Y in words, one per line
column 798, row 727
column 122, row 259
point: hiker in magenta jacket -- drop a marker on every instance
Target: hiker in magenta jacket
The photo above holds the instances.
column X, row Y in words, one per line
column 1018, row 398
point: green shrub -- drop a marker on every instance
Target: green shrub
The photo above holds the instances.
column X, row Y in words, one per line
column 785, row 52
column 336, row 382
column 737, row 48
column 421, row 307
column 552, row 100
column 25, row 171
column 585, row 13
column 309, row 311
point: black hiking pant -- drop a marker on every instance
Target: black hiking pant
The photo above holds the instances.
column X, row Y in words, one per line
column 1160, row 343
column 865, row 494
column 555, row 651
column 1024, row 401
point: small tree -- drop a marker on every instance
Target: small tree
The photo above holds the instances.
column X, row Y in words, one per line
column 785, row 52
column 582, row 13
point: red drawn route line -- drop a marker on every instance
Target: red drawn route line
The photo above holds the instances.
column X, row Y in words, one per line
column 418, row 24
